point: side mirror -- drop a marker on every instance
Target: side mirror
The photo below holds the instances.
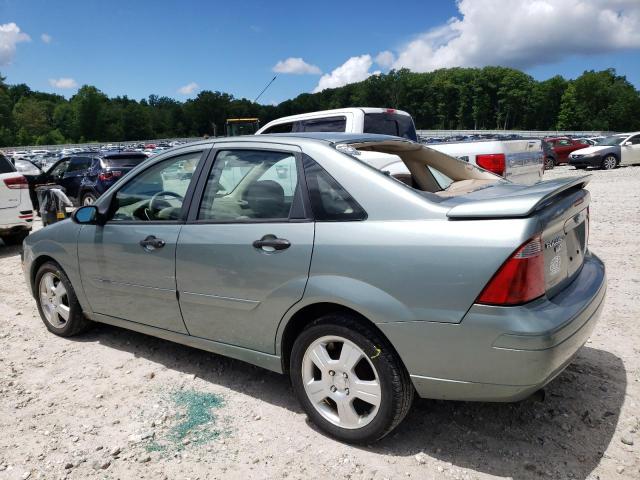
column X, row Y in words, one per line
column 87, row 215
column 627, row 144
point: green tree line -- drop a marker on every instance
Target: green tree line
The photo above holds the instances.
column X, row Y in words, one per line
column 453, row 98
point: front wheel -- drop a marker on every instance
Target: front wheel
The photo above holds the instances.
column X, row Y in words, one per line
column 609, row 162
column 349, row 380
column 57, row 302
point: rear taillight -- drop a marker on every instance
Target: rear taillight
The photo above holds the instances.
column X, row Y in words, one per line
column 15, row 183
column 109, row 175
column 494, row 162
column 520, row 279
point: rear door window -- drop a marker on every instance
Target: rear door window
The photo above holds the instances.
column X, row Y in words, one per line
column 78, row 164
column 247, row 185
column 327, row 124
column 5, row 165
column 390, row 124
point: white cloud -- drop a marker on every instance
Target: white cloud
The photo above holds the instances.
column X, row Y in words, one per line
column 524, row 33
column 296, row 66
column 189, row 88
column 46, row 38
column 353, row 70
column 10, row 36
column 385, row 59
column 63, row 83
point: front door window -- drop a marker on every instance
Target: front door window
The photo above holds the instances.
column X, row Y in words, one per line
column 158, row 193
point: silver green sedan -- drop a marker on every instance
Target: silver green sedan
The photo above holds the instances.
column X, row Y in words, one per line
column 366, row 267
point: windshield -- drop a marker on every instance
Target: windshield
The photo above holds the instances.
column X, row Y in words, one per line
column 610, row 141
column 390, row 124
column 24, row 166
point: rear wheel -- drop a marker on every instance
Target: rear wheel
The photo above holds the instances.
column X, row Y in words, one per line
column 88, row 199
column 349, row 380
column 57, row 302
column 549, row 163
column 15, row 238
column 609, row 162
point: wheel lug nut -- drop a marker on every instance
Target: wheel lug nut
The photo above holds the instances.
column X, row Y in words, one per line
column 333, row 388
column 332, row 373
column 344, row 374
column 346, row 391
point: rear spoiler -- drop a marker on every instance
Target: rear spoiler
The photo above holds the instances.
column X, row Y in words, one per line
column 519, row 204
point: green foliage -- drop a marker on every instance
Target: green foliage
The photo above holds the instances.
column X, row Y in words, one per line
column 453, row 98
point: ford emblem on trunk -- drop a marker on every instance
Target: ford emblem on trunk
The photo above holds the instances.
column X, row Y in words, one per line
column 555, row 243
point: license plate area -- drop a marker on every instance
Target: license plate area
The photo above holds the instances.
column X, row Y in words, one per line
column 564, row 247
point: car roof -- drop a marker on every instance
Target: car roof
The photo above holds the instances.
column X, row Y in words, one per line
column 335, row 137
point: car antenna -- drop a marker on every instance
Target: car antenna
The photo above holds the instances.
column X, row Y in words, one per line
column 265, row 88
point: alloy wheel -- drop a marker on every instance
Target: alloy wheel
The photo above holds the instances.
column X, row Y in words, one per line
column 609, row 162
column 54, row 300
column 88, row 200
column 341, row 382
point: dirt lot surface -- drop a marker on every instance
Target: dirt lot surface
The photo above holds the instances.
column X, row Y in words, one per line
column 118, row 404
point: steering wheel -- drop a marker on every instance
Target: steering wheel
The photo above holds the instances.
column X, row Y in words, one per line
column 153, row 207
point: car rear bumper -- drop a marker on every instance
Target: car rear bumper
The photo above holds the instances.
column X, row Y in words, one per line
column 502, row 353
column 18, row 221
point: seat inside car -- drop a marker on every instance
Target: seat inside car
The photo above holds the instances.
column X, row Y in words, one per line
column 266, row 199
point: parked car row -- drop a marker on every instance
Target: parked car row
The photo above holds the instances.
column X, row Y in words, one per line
column 45, row 158
column 597, row 152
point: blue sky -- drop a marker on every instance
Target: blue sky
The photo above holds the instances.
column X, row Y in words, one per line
column 137, row 48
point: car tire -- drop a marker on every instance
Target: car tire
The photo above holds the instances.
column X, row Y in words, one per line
column 88, row 199
column 55, row 303
column 359, row 400
column 15, row 238
column 549, row 163
column 609, row 162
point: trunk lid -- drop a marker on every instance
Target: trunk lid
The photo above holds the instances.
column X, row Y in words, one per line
column 562, row 208
column 509, row 200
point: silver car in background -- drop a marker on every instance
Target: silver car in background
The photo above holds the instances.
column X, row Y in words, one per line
column 299, row 253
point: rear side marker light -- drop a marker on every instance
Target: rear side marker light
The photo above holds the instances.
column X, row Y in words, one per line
column 16, row 183
column 494, row 162
column 519, row 280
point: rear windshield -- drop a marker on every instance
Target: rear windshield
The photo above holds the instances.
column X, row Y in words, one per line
column 327, row 124
column 124, row 160
column 390, row 124
column 5, row 165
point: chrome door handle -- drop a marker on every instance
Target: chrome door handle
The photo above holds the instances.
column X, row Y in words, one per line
column 151, row 243
column 269, row 242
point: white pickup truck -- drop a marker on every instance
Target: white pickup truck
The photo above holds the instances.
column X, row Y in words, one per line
column 517, row 160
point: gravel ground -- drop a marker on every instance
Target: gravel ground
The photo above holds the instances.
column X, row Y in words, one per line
column 118, row 404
